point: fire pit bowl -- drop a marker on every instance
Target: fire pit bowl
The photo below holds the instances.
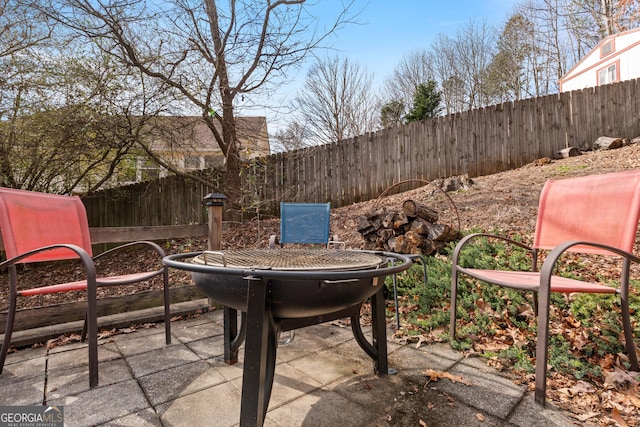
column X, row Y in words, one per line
column 303, row 282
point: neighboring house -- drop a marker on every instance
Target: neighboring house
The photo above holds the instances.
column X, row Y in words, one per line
column 614, row 59
column 187, row 143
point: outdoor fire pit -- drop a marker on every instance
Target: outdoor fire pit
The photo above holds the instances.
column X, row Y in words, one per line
column 286, row 289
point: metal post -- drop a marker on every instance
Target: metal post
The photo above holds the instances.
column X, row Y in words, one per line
column 214, row 203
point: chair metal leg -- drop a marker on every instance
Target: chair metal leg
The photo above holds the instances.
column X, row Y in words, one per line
column 92, row 326
column 628, row 336
column 626, row 318
column 83, row 335
column 7, row 336
column 167, row 305
column 414, row 258
column 11, row 316
column 395, row 300
column 542, row 345
column 7, row 339
column 454, row 297
column 288, row 339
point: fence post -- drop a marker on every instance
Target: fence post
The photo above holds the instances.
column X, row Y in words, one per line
column 214, row 203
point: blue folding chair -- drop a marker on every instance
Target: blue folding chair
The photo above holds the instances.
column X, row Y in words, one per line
column 304, row 223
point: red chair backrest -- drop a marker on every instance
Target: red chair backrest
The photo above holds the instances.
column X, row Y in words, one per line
column 596, row 208
column 30, row 220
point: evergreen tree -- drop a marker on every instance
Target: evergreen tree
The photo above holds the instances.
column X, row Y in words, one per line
column 426, row 102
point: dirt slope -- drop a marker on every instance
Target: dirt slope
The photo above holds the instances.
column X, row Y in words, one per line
column 506, row 201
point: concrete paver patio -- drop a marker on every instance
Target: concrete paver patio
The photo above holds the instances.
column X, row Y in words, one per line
column 322, row 378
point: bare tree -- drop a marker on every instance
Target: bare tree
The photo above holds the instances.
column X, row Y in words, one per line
column 71, row 118
column 67, row 119
column 210, row 54
column 337, row 101
column 626, row 15
column 512, row 72
column 554, row 47
column 415, row 68
column 593, row 20
column 392, row 114
column 21, row 28
column 460, row 66
column 565, row 30
column 294, row 137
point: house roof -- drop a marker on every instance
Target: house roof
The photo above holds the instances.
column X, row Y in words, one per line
column 191, row 133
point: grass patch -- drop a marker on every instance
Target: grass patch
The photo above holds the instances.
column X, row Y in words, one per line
column 565, row 170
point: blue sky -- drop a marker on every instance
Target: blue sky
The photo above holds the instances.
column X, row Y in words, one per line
column 390, row 29
column 387, row 30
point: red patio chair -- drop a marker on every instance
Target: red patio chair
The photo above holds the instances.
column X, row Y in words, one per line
column 39, row 227
column 595, row 214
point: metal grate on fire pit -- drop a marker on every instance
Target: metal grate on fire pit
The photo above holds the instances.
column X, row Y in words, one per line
column 291, row 259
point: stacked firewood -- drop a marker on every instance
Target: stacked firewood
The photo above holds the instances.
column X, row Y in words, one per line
column 412, row 230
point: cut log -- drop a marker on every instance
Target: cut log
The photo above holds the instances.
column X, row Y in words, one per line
column 607, row 143
column 365, row 226
column 414, row 239
column 401, row 245
column 567, row 152
column 410, row 231
column 414, row 209
column 388, row 220
column 376, row 213
column 421, row 226
column 400, row 220
column 429, row 247
column 391, row 243
column 409, row 243
column 385, row 233
column 442, row 233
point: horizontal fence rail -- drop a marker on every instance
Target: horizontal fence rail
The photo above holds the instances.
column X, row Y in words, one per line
column 132, row 234
column 477, row 142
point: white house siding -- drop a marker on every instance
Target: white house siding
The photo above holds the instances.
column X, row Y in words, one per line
column 625, row 57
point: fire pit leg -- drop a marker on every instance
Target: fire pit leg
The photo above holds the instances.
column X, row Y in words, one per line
column 230, row 334
column 379, row 326
column 377, row 351
column 232, row 338
column 259, row 354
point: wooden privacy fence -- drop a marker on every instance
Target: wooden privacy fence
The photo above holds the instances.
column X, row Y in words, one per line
column 477, row 142
column 166, row 201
